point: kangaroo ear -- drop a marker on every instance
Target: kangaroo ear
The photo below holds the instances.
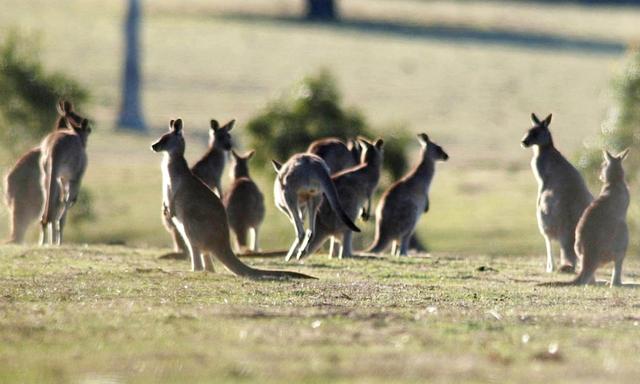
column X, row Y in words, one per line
column 214, row 124
column 84, row 124
column 534, row 120
column 607, row 156
column 171, row 124
column 177, row 125
column 235, row 154
column 61, row 107
column 423, row 138
column 229, row 125
column 379, row 143
column 250, row 154
column 623, row 155
column 547, row 120
column 276, row 165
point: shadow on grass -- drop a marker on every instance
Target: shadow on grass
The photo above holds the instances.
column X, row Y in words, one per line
column 447, row 33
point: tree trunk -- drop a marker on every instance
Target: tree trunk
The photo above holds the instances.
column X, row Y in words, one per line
column 130, row 110
column 321, row 10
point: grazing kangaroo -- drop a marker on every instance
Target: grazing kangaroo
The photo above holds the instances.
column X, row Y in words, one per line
column 602, row 235
column 355, row 187
column 23, row 193
column 198, row 213
column 337, row 154
column 562, row 193
column 402, row 204
column 298, row 186
column 244, row 203
column 62, row 164
column 209, row 169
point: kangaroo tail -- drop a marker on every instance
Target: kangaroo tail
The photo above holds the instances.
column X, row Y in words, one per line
column 329, row 190
column 381, row 239
column 232, row 263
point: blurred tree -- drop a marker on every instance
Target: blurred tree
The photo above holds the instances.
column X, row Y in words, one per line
column 130, row 110
column 29, row 94
column 321, row 10
column 314, row 110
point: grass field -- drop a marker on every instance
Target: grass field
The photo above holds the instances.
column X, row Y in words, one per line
column 114, row 315
column 467, row 72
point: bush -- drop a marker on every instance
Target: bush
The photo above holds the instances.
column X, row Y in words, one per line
column 621, row 129
column 313, row 110
column 28, row 93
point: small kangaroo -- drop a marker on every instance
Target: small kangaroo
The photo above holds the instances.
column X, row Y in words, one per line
column 562, row 193
column 355, row 187
column 210, row 167
column 23, row 194
column 244, row 203
column 402, row 204
column 601, row 234
column 198, row 213
column 297, row 188
column 62, row 164
column 337, row 154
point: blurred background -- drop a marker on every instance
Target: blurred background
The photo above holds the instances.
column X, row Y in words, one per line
column 468, row 73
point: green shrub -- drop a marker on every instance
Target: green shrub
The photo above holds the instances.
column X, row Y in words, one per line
column 312, row 110
column 29, row 93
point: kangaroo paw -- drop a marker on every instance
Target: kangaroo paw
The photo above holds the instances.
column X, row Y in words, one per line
column 567, row 268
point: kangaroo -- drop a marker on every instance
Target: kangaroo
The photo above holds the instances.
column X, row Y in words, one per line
column 62, row 164
column 337, row 154
column 244, row 203
column 562, row 193
column 198, row 213
column 297, row 187
column 210, row 167
column 23, row 194
column 355, row 187
column 402, row 204
column 601, row 234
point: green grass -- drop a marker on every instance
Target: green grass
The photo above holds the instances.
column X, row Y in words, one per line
column 85, row 314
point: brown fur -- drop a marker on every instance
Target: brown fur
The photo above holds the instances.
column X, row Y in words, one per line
column 404, row 202
column 601, row 234
column 62, row 165
column 337, row 154
column 23, row 193
column 244, row 203
column 199, row 214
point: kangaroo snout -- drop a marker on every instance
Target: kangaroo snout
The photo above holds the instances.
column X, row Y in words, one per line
column 155, row 147
column 525, row 143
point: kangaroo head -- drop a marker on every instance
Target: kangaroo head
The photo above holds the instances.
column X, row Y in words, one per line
column 539, row 133
column 171, row 142
column 355, row 148
column 431, row 150
column 612, row 167
column 241, row 166
column 67, row 116
column 371, row 152
column 219, row 137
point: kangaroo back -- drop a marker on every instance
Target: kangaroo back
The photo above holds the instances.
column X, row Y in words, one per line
column 329, row 190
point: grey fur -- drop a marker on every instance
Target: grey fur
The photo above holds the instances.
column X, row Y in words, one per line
column 562, row 193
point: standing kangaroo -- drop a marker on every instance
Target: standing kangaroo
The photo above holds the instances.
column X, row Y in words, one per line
column 209, row 169
column 562, row 193
column 62, row 164
column 198, row 213
column 602, row 235
column 298, row 186
column 337, row 154
column 23, row 193
column 402, row 204
column 355, row 187
column 244, row 203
